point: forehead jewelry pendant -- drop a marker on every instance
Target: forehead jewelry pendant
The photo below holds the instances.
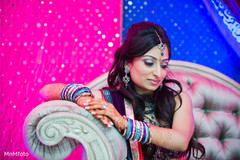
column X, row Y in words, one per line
column 162, row 54
column 161, row 46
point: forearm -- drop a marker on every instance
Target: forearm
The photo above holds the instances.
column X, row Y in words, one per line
column 169, row 138
column 52, row 91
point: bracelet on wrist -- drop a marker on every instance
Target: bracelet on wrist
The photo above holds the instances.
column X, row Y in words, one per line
column 73, row 92
column 137, row 131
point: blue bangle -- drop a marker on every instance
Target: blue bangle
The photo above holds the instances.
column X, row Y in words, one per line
column 69, row 92
column 64, row 90
column 138, row 131
column 147, row 134
column 83, row 91
column 128, row 129
column 77, row 88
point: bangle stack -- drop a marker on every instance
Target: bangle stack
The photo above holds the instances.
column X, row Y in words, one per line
column 137, row 131
column 73, row 92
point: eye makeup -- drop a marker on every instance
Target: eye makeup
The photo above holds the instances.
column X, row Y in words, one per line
column 149, row 62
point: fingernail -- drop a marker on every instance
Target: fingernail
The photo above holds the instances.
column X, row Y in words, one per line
column 109, row 126
column 111, row 123
column 93, row 112
column 105, row 122
column 85, row 104
column 99, row 116
column 87, row 107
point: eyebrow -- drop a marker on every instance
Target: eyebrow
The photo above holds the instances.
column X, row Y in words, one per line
column 155, row 57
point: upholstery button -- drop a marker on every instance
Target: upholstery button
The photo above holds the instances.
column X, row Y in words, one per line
column 189, row 82
column 235, row 113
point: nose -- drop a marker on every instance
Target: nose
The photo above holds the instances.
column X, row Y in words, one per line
column 157, row 71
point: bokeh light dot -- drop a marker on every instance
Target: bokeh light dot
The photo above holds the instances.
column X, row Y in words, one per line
column 130, row 3
column 117, row 35
column 110, row 44
column 49, row 39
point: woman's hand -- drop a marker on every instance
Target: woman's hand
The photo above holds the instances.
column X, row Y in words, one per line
column 84, row 101
column 102, row 110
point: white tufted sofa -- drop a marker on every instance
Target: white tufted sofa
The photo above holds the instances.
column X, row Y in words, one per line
column 54, row 129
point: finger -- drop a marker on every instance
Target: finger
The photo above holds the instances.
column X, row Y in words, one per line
column 95, row 101
column 98, row 112
column 100, row 106
column 107, row 121
column 84, row 100
column 98, row 116
column 102, row 116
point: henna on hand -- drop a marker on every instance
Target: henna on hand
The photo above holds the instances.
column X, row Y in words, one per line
column 96, row 108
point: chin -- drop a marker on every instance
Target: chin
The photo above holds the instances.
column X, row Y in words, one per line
column 151, row 90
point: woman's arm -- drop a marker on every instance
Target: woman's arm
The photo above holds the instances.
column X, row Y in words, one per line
column 179, row 136
column 176, row 138
column 52, row 91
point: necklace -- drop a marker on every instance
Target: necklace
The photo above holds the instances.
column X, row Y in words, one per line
column 149, row 108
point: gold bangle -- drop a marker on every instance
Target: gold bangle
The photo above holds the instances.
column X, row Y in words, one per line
column 125, row 129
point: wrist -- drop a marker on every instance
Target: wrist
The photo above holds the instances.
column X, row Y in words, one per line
column 73, row 92
column 124, row 123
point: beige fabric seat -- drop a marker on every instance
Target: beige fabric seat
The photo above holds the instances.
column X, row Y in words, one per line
column 54, row 129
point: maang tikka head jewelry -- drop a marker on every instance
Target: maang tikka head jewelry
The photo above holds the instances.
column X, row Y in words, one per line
column 126, row 79
column 161, row 46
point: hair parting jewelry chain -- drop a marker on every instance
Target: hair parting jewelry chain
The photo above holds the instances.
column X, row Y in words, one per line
column 73, row 92
column 137, row 131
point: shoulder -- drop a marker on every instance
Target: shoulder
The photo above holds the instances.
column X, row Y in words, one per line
column 185, row 96
column 182, row 100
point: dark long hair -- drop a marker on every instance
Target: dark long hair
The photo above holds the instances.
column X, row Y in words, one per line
column 141, row 37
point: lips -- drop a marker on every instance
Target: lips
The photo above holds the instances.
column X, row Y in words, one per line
column 154, row 82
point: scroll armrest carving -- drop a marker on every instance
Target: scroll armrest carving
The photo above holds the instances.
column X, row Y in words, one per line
column 54, row 129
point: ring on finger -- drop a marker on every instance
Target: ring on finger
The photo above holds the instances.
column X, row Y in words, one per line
column 104, row 106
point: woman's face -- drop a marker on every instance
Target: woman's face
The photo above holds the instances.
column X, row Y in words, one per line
column 148, row 71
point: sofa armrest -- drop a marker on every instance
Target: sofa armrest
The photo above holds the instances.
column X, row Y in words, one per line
column 54, row 129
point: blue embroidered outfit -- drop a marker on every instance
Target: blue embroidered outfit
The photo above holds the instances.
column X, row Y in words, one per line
column 159, row 153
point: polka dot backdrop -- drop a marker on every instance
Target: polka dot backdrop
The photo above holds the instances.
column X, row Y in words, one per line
column 44, row 41
column 191, row 29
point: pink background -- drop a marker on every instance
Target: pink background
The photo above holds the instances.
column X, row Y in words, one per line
column 48, row 42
